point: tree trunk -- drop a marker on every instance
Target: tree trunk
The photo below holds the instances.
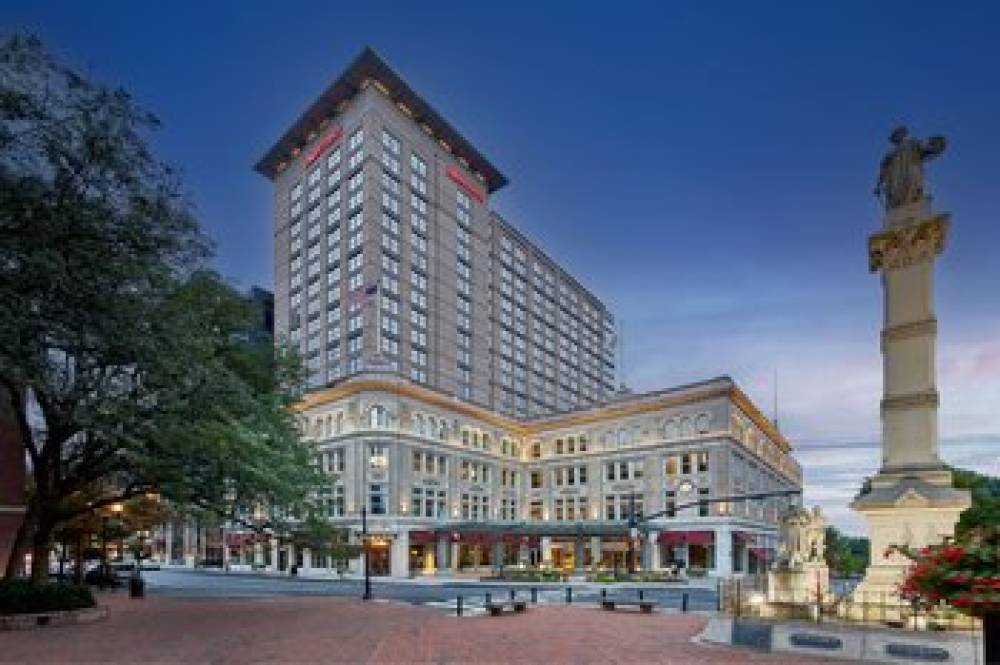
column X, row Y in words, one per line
column 41, row 545
column 78, row 568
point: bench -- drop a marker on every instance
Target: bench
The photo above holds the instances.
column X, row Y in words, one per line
column 645, row 606
column 511, row 606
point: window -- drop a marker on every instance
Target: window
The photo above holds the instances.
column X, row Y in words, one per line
column 703, row 507
column 378, row 457
column 670, row 504
column 536, row 480
column 378, row 499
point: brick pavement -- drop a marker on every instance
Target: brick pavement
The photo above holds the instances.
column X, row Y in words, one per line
column 325, row 629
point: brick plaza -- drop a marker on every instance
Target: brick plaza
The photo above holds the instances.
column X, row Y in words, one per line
column 287, row 629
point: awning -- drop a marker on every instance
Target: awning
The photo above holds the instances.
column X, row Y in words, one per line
column 744, row 536
column 689, row 537
column 423, row 537
column 765, row 553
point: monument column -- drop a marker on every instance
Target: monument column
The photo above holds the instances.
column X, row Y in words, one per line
column 910, row 501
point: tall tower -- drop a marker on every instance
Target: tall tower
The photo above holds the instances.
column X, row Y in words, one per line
column 910, row 501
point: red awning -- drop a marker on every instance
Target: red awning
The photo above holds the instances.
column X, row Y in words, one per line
column 761, row 552
column 743, row 536
column 423, row 537
column 689, row 537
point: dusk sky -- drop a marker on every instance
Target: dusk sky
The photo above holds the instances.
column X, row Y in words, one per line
column 706, row 171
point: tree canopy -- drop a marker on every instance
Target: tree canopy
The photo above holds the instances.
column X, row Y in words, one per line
column 130, row 366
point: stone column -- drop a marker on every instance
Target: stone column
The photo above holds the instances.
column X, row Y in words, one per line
column 546, row 546
column 910, row 500
column 441, row 556
column 225, row 551
column 258, row 553
column 168, row 542
column 274, row 555
column 306, row 560
column 578, row 555
column 455, row 557
column 400, row 555
column 498, row 554
column 595, row 550
column 652, row 551
column 724, row 551
column 188, row 549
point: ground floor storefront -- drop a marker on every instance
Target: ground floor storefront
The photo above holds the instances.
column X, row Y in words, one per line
column 401, row 550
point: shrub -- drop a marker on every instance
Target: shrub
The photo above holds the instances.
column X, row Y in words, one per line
column 20, row 596
column 966, row 575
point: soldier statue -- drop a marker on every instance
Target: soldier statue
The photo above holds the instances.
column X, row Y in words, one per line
column 901, row 174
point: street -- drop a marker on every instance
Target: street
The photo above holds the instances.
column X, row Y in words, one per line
column 214, row 584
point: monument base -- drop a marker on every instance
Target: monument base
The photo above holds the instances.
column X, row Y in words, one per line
column 911, row 507
column 803, row 585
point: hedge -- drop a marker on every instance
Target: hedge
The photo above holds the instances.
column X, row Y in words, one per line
column 19, row 596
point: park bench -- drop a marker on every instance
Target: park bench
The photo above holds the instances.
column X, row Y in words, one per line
column 645, row 606
column 510, row 606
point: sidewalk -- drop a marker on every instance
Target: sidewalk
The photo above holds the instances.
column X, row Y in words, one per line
column 341, row 630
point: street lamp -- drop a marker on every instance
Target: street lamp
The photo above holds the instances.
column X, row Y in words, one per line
column 364, row 543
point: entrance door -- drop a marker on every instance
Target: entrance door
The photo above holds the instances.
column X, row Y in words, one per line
column 378, row 558
column 282, row 560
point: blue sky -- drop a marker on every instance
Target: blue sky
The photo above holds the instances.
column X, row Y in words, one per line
column 705, row 168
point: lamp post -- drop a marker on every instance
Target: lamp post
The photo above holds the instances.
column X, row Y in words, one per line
column 633, row 533
column 364, row 543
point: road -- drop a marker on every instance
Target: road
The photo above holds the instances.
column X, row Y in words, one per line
column 195, row 583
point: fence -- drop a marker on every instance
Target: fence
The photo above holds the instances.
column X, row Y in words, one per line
column 750, row 597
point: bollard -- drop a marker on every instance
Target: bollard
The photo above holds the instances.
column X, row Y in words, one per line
column 569, row 594
column 489, row 598
column 718, row 595
column 604, row 594
column 459, row 606
column 684, row 602
column 534, row 595
column 512, row 595
column 640, row 594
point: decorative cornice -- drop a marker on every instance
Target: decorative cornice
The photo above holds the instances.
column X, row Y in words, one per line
column 906, row 245
column 908, row 330
column 911, row 401
column 532, row 429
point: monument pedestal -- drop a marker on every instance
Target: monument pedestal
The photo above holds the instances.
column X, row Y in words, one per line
column 799, row 586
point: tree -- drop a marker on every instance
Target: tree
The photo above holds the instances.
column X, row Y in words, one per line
column 845, row 555
column 130, row 367
column 985, row 509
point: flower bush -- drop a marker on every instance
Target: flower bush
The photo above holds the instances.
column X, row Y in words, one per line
column 964, row 575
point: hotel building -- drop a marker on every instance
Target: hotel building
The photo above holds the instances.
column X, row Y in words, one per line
column 468, row 402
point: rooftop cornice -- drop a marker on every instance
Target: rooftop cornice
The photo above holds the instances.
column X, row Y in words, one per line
column 722, row 387
column 369, row 66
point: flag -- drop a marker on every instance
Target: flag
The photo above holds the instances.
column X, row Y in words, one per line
column 359, row 297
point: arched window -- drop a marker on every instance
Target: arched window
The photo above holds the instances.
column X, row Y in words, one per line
column 622, row 437
column 328, row 430
column 339, row 423
column 317, row 427
column 418, row 424
column 702, row 423
column 378, row 417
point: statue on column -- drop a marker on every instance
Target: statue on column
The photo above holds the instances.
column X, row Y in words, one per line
column 901, row 174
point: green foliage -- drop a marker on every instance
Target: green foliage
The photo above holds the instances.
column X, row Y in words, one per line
column 19, row 596
column 846, row 555
column 985, row 509
column 323, row 539
column 148, row 372
column 965, row 575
